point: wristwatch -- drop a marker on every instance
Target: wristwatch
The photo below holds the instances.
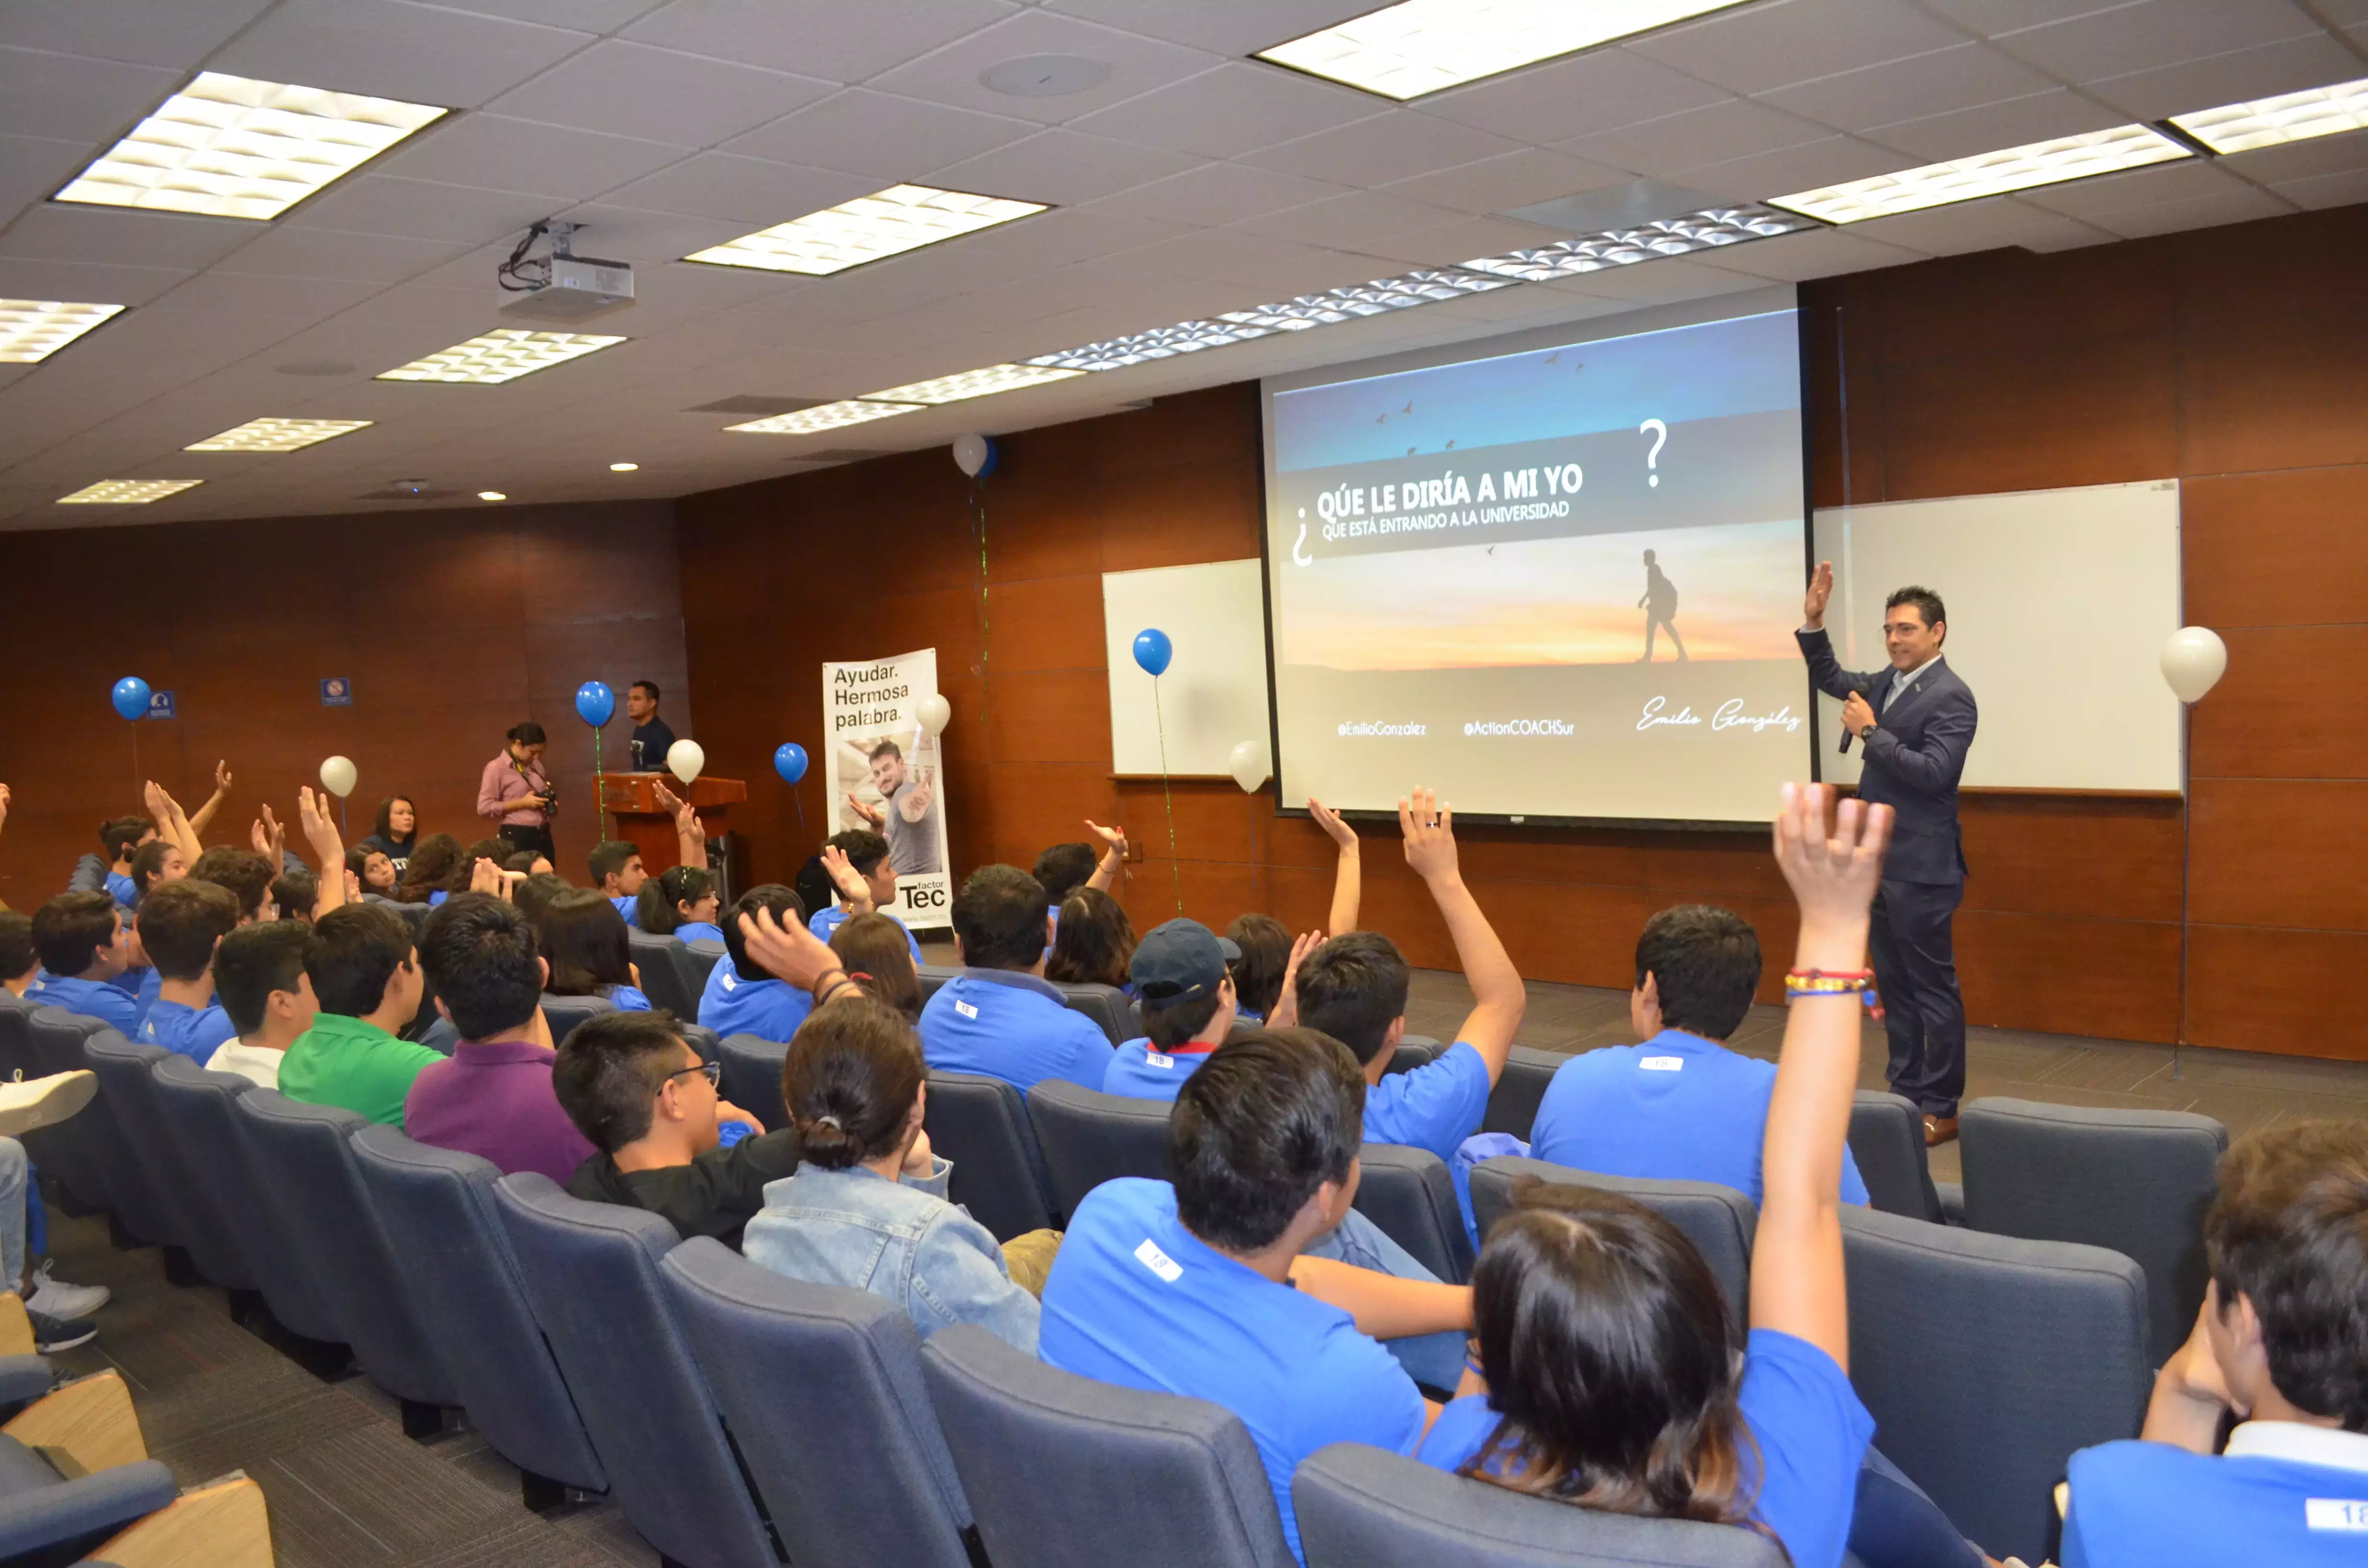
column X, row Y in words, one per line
column 1866, row 730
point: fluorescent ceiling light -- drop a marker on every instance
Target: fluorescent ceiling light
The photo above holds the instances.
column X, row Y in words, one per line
column 1988, row 174
column 1159, row 343
column 491, row 495
column 827, row 417
column 231, row 147
column 1707, row 230
column 886, row 222
column 1423, row 46
column 973, row 383
column 501, row 356
column 1335, row 305
column 32, row 330
column 275, row 434
column 623, row 467
column 127, row 492
column 2294, row 117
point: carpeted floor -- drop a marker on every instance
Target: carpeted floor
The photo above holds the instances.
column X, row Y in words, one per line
column 347, row 1489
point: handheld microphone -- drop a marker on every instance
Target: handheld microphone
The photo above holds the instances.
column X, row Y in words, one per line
column 1856, row 690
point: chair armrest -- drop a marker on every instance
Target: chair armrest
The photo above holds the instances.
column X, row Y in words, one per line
column 1952, row 1201
column 83, row 1506
column 24, row 1379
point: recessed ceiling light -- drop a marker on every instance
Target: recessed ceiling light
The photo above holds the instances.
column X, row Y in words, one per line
column 827, row 417
column 32, row 330
column 501, row 356
column 1424, row 46
column 232, row 147
column 491, row 495
column 275, row 434
column 2292, row 117
column 973, row 383
column 887, row 222
column 1988, row 174
column 1706, row 230
column 623, row 467
column 1159, row 343
column 1044, row 76
column 127, row 492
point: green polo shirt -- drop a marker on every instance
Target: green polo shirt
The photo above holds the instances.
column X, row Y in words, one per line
column 355, row 1064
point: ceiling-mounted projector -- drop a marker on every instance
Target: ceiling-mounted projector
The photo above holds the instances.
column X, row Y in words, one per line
column 561, row 285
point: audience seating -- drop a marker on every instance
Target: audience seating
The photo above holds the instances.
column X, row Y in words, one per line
column 148, row 1184
column 931, row 976
column 1513, row 1103
column 304, row 1154
column 591, row 1274
column 752, row 1077
column 706, row 1043
column 417, row 914
column 440, row 1034
column 1066, row 1472
column 1986, row 1360
column 216, row 1236
column 1089, row 1138
column 665, row 967
column 2136, row 1181
column 1886, row 1138
column 702, row 956
column 1365, row 1508
column 44, row 1512
column 84, row 1151
column 437, row 1209
column 1106, row 1005
column 982, row 1125
column 564, row 1013
column 821, row 1388
column 1718, row 1220
column 1411, row 1054
column 1410, row 1194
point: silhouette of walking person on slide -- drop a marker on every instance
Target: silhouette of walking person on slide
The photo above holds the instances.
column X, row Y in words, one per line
column 1660, row 606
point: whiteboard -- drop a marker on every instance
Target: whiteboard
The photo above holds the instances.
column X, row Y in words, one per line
column 1215, row 693
column 2058, row 600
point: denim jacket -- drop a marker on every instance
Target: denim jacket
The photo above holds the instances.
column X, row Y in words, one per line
column 899, row 1238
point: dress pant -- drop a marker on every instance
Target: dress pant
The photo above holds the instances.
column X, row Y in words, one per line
column 525, row 835
column 1916, row 969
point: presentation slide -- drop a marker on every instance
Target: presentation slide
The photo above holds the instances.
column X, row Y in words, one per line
column 1559, row 582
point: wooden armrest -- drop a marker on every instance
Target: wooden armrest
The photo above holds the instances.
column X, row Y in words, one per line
column 91, row 1419
column 16, row 1328
column 225, row 1526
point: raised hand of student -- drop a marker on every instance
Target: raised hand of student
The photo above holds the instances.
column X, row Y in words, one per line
column 222, row 778
column 271, row 840
column 1111, row 837
column 339, row 884
column 1349, row 876
column 1339, row 832
column 845, row 879
column 4, row 805
column 1833, row 876
column 1429, row 830
column 487, row 877
column 1499, row 998
column 1112, row 864
column 1286, row 1004
column 787, row 952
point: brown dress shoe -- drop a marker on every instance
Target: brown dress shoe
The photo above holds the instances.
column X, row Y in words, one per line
column 1939, row 1129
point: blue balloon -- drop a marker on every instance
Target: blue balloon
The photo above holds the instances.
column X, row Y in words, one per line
column 595, row 703
column 131, row 696
column 1152, row 650
column 790, row 761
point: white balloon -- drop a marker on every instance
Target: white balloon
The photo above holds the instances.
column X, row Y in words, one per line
column 1248, row 766
column 685, row 759
column 935, row 713
column 337, row 776
column 970, row 454
column 2193, row 661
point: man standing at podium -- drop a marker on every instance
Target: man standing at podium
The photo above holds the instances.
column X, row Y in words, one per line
column 1916, row 719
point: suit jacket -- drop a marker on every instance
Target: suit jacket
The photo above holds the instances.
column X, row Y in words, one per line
column 1913, row 759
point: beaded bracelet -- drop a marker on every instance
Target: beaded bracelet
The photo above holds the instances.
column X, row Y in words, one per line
column 1802, row 982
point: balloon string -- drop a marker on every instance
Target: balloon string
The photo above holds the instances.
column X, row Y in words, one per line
column 802, row 812
column 1174, row 868
column 599, row 795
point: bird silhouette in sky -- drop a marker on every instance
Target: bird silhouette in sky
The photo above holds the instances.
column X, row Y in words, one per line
column 1555, row 355
column 1381, row 418
column 1409, row 451
column 1450, row 445
column 1407, row 409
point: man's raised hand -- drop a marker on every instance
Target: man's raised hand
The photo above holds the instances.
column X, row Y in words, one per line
column 1111, row 837
column 1821, row 589
column 1286, row 1003
column 222, row 778
column 320, row 830
column 787, row 952
column 1429, row 830
column 1339, row 832
column 487, row 877
column 846, row 878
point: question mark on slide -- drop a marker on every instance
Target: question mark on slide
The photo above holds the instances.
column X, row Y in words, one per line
column 1298, row 546
column 1660, row 436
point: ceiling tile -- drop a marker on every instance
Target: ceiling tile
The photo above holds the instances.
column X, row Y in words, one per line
column 890, row 139
column 1788, row 169
column 2316, row 61
column 1233, row 109
column 1814, row 252
column 23, row 277
column 1219, row 193
column 1923, row 85
column 1509, row 180
column 2323, row 191
column 817, row 38
column 951, row 76
column 1389, row 146
column 1574, row 97
column 33, row 166
column 1451, row 243
column 1351, row 221
column 179, row 35
column 410, row 208
column 1664, row 282
column 590, row 15
column 1990, row 17
column 1267, row 268
column 71, row 98
column 755, row 191
column 299, row 302
column 1776, row 42
column 2150, row 33
column 1238, row 29
column 54, row 232
column 422, row 54
column 2183, row 181
column 1061, row 167
column 314, row 253
column 1734, row 128
column 630, row 90
column 2016, row 122
column 1990, row 224
column 2301, row 160
column 2239, row 206
column 494, row 151
column 630, row 234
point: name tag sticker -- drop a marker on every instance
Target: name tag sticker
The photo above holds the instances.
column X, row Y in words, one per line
column 2322, row 1513
column 1663, row 1064
column 1166, row 1268
column 966, row 1010
column 1153, row 1059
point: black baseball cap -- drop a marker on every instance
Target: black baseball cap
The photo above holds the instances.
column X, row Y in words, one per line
column 1179, row 962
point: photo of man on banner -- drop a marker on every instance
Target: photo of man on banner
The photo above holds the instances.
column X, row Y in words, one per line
column 887, row 774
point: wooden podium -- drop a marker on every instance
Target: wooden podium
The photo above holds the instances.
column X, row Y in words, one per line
column 632, row 798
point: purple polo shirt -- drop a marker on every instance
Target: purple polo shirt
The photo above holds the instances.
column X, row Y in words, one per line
column 495, row 1101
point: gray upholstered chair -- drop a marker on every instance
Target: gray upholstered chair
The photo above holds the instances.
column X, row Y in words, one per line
column 1886, row 1138
column 1089, row 1138
column 982, row 1125
column 664, row 966
column 1719, row 1221
column 564, row 1013
column 1410, row 1195
column 1106, row 1005
column 1513, row 1103
column 752, row 1077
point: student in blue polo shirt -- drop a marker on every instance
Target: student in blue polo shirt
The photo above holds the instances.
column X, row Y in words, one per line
column 680, row 902
column 1605, row 1369
column 2282, row 1343
column 1680, row 1107
column 1354, row 989
column 1200, row 1288
column 1179, row 975
column 179, row 926
column 740, row 997
column 857, row 863
column 617, row 872
column 122, row 837
column 1000, row 1016
column 86, row 947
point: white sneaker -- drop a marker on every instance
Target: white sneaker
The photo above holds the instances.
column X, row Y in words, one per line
column 42, row 1102
column 56, row 1299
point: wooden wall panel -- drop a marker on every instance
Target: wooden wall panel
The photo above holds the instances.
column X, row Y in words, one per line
column 2280, row 549
column 2296, row 992
column 2246, row 871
